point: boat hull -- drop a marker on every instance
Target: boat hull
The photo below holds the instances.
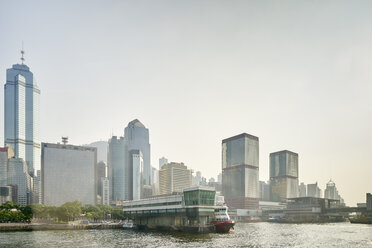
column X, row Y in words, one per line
column 223, row 226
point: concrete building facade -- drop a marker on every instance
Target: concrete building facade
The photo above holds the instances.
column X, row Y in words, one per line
column 5, row 154
column 283, row 175
column 240, row 171
column 174, row 177
column 162, row 161
column 105, row 191
column 69, row 173
column 313, row 190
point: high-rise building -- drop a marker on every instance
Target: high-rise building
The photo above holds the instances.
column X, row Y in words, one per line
column 219, row 178
column 331, row 191
column 21, row 115
column 5, row 194
column 283, row 175
column 68, row 174
column 265, row 194
column 105, row 191
column 313, row 190
column 369, row 201
column 5, row 154
column 162, row 161
column 102, row 147
column 174, row 177
column 101, row 173
column 240, row 171
column 136, row 137
column 118, row 172
column 302, row 190
column 18, row 176
column 155, row 180
column 136, row 174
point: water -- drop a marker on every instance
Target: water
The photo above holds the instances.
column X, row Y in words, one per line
column 245, row 235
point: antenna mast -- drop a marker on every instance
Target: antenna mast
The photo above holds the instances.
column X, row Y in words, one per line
column 22, row 52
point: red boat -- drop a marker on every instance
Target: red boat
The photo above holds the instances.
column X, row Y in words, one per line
column 222, row 220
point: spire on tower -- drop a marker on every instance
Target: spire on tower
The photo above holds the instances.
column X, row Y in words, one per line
column 22, row 52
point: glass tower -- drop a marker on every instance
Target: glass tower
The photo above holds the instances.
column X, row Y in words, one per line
column 240, row 171
column 136, row 137
column 284, row 175
column 21, row 116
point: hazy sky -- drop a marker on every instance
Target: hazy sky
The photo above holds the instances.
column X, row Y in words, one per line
column 297, row 74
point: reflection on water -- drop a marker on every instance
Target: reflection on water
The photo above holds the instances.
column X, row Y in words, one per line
column 244, row 235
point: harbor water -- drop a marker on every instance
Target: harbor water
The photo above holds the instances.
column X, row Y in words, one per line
column 244, row 235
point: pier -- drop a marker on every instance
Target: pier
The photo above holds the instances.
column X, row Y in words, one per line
column 190, row 211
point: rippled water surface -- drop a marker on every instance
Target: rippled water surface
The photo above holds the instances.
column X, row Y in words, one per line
column 245, row 235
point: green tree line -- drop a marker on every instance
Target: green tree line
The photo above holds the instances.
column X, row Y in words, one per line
column 10, row 212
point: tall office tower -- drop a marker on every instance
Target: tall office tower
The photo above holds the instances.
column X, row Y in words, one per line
column 369, row 201
column 19, row 178
column 5, row 154
column 240, row 171
column 331, row 192
column 198, row 178
column 5, row 194
column 105, row 191
column 68, row 174
column 101, row 150
column 302, row 190
column 283, row 175
column 265, row 194
column 101, row 173
column 21, row 115
column 174, row 177
column 162, row 161
column 219, row 178
column 313, row 190
column 136, row 174
column 155, row 180
column 118, row 172
column 136, row 137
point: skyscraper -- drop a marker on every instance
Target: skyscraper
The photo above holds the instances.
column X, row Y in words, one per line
column 21, row 115
column 313, row 190
column 22, row 120
column 331, row 192
column 136, row 137
column 19, row 178
column 135, row 173
column 5, row 154
column 101, row 173
column 302, row 190
column 118, row 172
column 240, row 171
column 68, row 174
column 162, row 161
column 283, row 175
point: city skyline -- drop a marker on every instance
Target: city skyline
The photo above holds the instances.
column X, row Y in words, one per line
column 196, row 75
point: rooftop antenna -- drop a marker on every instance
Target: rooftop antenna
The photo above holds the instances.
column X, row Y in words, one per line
column 64, row 140
column 22, row 52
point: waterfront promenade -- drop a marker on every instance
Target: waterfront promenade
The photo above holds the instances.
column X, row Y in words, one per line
column 245, row 235
column 46, row 226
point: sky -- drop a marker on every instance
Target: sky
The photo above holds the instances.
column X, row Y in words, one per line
column 297, row 74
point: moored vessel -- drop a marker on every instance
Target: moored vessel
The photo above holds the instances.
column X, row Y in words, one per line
column 222, row 221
